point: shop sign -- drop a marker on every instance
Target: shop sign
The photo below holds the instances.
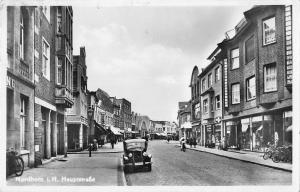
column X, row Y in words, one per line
column 204, row 121
column 10, row 82
column 218, row 119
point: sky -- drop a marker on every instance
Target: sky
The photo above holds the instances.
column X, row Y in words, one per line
column 146, row 54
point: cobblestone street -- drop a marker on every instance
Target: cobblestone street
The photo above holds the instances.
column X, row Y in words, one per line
column 174, row 167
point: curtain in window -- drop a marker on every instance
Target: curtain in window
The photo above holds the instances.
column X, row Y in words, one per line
column 270, row 78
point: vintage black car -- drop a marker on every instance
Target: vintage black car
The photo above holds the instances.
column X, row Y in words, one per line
column 135, row 154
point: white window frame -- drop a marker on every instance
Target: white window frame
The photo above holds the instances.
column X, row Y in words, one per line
column 46, row 12
column 218, row 102
column 22, row 122
column 250, row 88
column 217, row 74
column 273, row 77
column 265, row 30
column 205, row 105
column 21, row 45
column 209, row 80
column 203, row 84
column 59, row 20
column 197, row 111
column 235, row 58
column 235, row 94
column 59, row 74
column 46, row 58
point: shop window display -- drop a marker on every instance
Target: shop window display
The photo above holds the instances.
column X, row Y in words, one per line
column 245, row 140
column 288, row 123
column 268, row 130
column 231, row 134
column 257, row 133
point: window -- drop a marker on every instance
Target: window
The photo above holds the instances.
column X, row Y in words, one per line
column 269, row 31
column 46, row 59
column 211, row 103
column 217, row 74
column 209, row 81
column 46, row 11
column 21, row 45
column 205, row 106
column 235, row 93
column 22, row 122
column 203, row 84
column 59, row 20
column 197, row 111
column 249, row 49
column 218, row 104
column 270, row 78
column 251, row 88
column 235, row 60
column 59, row 71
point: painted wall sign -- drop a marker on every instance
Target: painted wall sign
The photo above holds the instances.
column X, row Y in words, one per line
column 10, row 82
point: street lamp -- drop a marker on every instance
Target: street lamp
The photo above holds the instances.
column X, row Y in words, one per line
column 90, row 115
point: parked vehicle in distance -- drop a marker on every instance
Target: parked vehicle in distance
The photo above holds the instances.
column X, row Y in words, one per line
column 135, row 154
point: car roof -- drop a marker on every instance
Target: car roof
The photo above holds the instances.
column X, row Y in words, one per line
column 135, row 141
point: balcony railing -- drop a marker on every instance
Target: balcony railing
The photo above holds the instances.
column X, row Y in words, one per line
column 63, row 97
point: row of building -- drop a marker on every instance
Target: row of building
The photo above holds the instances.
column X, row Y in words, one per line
column 243, row 97
column 50, row 110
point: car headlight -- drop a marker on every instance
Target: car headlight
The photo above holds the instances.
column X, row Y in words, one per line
column 149, row 155
column 144, row 154
column 130, row 155
column 126, row 158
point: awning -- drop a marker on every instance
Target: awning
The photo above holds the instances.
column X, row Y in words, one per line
column 100, row 128
column 290, row 128
column 186, row 125
column 116, row 131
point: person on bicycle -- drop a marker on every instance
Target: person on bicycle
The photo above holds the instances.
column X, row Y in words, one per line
column 182, row 143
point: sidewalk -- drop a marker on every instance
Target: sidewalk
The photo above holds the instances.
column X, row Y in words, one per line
column 247, row 156
column 106, row 148
column 76, row 169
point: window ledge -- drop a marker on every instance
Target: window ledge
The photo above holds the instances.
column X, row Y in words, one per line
column 248, row 100
column 24, row 152
column 265, row 45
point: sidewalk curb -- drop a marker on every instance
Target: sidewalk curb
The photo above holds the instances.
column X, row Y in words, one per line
column 244, row 160
column 94, row 152
column 122, row 172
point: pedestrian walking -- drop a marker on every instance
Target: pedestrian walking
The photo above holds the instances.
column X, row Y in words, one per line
column 112, row 142
column 194, row 142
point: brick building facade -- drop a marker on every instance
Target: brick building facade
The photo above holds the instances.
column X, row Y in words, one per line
column 259, row 106
column 255, row 86
column 211, row 100
column 53, row 74
column 77, row 119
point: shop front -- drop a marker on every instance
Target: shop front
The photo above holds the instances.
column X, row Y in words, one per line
column 212, row 133
column 256, row 133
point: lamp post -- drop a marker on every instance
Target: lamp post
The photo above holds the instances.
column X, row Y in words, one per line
column 90, row 115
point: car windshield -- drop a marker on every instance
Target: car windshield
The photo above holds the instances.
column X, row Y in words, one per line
column 135, row 146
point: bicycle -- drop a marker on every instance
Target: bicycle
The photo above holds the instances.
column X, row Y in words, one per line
column 283, row 153
column 269, row 151
column 14, row 163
